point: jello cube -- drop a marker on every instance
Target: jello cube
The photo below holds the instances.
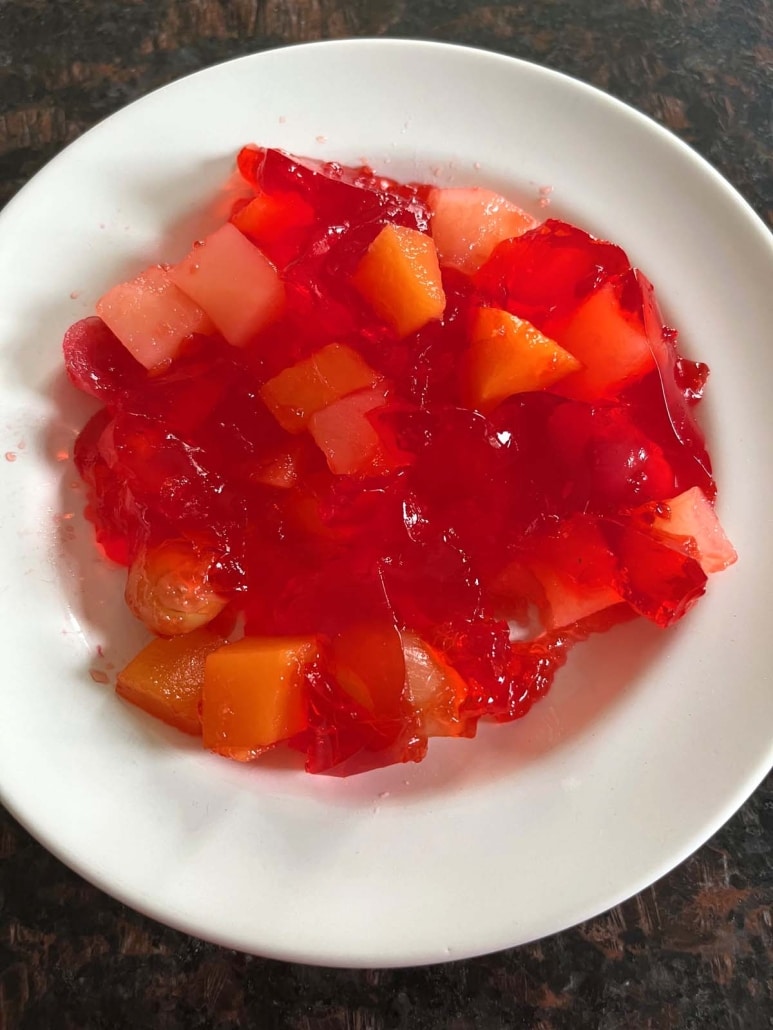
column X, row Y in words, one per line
column 234, row 282
column 399, row 276
column 152, row 317
column 468, row 223
column 254, row 694
column 659, row 582
column 508, row 355
column 310, row 385
column 166, row 677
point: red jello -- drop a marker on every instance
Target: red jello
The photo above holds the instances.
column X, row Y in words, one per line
column 404, row 563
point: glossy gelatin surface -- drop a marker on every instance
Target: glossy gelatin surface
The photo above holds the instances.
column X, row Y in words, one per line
column 420, row 476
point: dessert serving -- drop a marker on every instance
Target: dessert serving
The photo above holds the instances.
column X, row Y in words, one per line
column 376, row 456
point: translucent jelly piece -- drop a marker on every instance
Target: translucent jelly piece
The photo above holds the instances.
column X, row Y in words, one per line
column 338, row 195
column 118, row 522
column 665, row 407
column 657, row 581
column 427, row 366
column 345, row 738
column 342, row 590
column 461, row 473
column 429, row 582
column 279, row 224
column 165, row 472
column 609, row 463
column 578, row 572
column 536, row 486
column 239, row 431
column 480, row 651
column 544, row 275
column 367, row 661
column 533, row 667
column 185, row 394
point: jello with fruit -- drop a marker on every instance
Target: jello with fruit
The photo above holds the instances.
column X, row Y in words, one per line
column 376, row 456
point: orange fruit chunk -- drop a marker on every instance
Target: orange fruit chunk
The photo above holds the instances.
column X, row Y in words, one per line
column 508, row 355
column 310, row 385
column 166, row 677
column 399, row 276
column 253, row 695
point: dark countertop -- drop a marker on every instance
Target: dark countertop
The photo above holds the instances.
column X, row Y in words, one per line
column 694, row 951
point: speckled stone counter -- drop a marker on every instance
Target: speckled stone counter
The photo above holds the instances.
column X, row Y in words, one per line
column 694, row 951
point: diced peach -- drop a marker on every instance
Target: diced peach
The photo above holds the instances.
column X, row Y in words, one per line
column 508, row 355
column 254, row 694
column 234, row 282
column 399, row 277
column 690, row 523
column 275, row 223
column 310, row 385
column 165, row 679
column 434, row 688
column 347, row 437
column 609, row 340
column 468, row 223
column 151, row 317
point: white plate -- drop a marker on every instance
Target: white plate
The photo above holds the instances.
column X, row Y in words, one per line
column 644, row 748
